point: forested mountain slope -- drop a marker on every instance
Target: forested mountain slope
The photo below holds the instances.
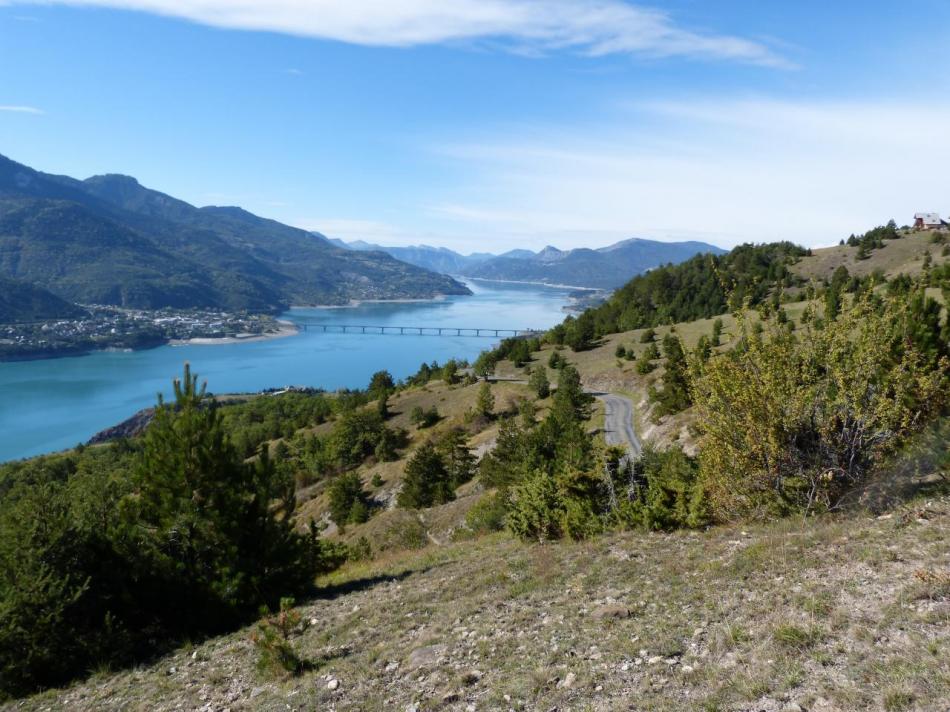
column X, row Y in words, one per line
column 110, row 240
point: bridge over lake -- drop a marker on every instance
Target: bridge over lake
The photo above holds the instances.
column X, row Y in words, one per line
column 418, row 330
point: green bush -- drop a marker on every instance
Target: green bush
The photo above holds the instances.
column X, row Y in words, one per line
column 487, row 514
column 275, row 651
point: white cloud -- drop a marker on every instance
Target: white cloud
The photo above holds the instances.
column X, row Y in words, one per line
column 22, row 110
column 722, row 171
column 593, row 27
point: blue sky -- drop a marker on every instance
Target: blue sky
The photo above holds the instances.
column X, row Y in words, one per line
column 491, row 124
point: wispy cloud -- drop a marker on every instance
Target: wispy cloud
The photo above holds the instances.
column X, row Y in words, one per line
column 21, row 109
column 732, row 170
column 591, row 27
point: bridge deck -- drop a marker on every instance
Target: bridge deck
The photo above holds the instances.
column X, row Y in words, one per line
column 417, row 330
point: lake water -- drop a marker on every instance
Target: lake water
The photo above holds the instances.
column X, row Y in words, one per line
column 54, row 404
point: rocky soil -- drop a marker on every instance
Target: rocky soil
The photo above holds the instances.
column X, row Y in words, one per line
column 843, row 613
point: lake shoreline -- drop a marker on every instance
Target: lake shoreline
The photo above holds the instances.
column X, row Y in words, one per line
column 287, row 328
column 537, row 284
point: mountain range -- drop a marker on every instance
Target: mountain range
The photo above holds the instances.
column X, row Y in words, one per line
column 109, row 240
column 605, row 268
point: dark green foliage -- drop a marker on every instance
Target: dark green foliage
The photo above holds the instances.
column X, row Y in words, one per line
column 485, row 364
column 699, row 288
column 839, row 282
column 571, row 402
column 556, row 360
column 485, row 401
column 620, row 351
column 717, row 332
column 557, row 443
column 665, row 491
column 381, row 384
column 460, row 463
column 109, row 240
column 873, row 239
column 539, row 382
column 648, row 336
column 580, row 333
column 450, row 372
column 110, row 553
column 251, row 423
column 427, row 481
column 203, row 518
column 357, row 434
column 22, row 302
column 349, row 502
column 424, row 418
column 674, row 397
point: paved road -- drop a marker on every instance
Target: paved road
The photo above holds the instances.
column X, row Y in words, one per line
column 618, row 418
column 618, row 423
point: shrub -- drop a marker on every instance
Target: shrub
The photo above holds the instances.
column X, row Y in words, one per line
column 536, row 510
column 665, row 491
column 487, row 514
column 790, row 422
column 275, row 652
column 675, row 395
column 424, row 418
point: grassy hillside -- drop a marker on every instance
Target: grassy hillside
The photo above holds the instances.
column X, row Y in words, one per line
column 781, row 582
column 903, row 256
column 846, row 613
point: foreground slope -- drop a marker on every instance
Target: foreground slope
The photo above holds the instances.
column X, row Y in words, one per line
column 844, row 613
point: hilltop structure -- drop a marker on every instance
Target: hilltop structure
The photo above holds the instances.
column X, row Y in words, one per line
column 929, row 221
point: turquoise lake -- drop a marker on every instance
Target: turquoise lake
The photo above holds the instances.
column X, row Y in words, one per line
column 54, row 404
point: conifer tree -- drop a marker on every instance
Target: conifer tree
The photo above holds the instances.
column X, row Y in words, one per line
column 539, row 382
column 427, row 481
column 485, row 402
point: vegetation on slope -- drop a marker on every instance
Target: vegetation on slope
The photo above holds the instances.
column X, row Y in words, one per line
column 22, row 302
column 108, row 240
column 799, row 404
column 113, row 555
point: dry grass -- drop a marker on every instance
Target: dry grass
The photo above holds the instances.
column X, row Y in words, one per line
column 829, row 616
column 896, row 257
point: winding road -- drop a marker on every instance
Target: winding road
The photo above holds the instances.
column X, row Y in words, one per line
column 618, row 423
column 618, row 418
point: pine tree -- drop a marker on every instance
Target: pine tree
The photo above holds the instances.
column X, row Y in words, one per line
column 539, row 382
column 427, row 481
column 214, row 532
column 485, row 402
column 460, row 463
